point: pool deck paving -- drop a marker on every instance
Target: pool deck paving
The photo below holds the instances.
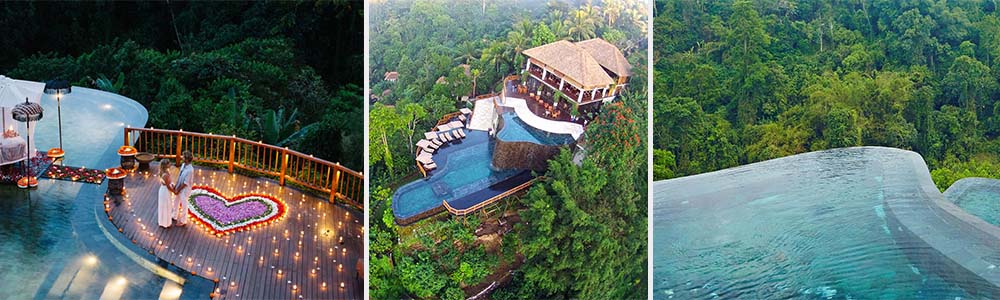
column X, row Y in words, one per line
column 312, row 228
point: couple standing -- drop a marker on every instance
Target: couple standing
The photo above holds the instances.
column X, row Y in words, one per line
column 172, row 199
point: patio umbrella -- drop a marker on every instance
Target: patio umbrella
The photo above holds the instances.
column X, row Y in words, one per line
column 27, row 112
column 58, row 87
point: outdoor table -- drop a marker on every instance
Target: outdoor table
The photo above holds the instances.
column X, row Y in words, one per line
column 12, row 150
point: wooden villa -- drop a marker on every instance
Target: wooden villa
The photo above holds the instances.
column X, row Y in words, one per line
column 587, row 72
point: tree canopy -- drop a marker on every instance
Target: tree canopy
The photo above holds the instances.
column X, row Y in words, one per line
column 288, row 73
column 744, row 81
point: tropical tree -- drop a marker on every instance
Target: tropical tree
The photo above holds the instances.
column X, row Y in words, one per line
column 582, row 25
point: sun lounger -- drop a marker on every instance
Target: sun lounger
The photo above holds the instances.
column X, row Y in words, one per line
column 436, row 142
column 450, row 137
column 445, row 137
column 460, row 133
column 430, row 166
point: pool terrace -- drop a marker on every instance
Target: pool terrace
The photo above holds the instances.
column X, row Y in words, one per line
column 62, row 240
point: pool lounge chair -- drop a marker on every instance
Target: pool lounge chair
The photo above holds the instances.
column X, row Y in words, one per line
column 430, row 166
column 437, row 142
column 445, row 137
column 450, row 137
column 427, row 146
column 460, row 133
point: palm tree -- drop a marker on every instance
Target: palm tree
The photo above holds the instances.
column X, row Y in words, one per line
column 524, row 26
column 495, row 55
column 582, row 26
column 559, row 29
column 612, row 11
column 467, row 52
column 475, row 75
column 516, row 42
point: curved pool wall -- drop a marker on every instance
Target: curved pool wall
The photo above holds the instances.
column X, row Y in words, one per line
column 521, row 146
column 46, row 232
column 977, row 196
column 516, row 130
column 856, row 223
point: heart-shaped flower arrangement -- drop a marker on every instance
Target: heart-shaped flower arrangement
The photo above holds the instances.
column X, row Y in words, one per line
column 222, row 216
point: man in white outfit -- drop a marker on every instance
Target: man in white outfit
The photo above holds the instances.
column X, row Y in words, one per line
column 183, row 188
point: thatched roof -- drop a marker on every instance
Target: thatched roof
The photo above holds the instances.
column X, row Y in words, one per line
column 573, row 61
column 609, row 56
column 391, row 76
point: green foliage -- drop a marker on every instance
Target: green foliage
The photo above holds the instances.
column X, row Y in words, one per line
column 580, row 222
column 815, row 75
column 419, row 277
column 105, row 84
column 985, row 166
column 209, row 67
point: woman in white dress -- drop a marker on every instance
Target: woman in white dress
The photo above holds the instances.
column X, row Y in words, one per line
column 165, row 198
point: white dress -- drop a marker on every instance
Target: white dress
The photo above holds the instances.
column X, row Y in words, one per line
column 164, row 204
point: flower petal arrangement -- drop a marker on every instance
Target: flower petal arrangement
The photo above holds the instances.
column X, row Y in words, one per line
column 75, row 174
column 220, row 215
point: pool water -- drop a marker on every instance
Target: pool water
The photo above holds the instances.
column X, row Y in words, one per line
column 802, row 227
column 44, row 244
column 463, row 169
column 977, row 196
column 515, row 130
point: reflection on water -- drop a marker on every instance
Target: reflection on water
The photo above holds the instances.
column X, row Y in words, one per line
column 42, row 254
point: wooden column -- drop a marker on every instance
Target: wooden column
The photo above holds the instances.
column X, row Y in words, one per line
column 232, row 153
column 180, row 144
column 284, row 164
column 335, row 183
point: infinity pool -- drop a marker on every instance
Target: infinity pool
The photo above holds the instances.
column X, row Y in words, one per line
column 821, row 225
column 463, row 169
column 977, row 196
column 515, row 130
column 45, row 244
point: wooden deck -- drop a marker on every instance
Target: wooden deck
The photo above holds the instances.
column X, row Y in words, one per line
column 245, row 263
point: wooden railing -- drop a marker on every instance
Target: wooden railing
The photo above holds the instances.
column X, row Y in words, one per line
column 237, row 153
column 462, row 212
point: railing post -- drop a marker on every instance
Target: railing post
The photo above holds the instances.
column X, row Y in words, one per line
column 232, row 152
column 335, row 183
column 126, row 136
column 284, row 164
column 179, row 145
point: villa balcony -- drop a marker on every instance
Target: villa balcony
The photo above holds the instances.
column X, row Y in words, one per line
column 544, row 105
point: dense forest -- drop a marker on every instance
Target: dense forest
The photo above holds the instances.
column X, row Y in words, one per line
column 287, row 73
column 740, row 81
column 582, row 232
